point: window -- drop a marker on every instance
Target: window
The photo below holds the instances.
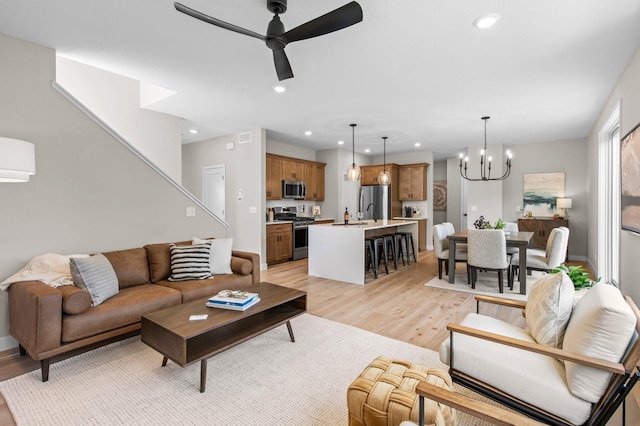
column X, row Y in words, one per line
column 609, row 199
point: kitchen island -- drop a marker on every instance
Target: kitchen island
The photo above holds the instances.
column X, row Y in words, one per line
column 336, row 251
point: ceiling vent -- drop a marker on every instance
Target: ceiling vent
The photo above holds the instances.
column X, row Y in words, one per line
column 244, row 137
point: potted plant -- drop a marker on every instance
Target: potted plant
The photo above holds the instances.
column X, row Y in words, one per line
column 579, row 276
column 481, row 223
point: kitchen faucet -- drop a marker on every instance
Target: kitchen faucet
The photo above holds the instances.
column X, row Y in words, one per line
column 375, row 219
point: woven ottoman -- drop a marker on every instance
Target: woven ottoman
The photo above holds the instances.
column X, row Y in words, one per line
column 384, row 395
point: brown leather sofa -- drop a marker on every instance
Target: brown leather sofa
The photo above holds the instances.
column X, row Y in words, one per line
column 49, row 321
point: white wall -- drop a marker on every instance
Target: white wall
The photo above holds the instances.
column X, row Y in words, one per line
column 89, row 193
column 116, row 100
column 454, row 193
column 627, row 91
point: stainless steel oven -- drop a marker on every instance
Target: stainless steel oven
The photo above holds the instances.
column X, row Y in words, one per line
column 301, row 238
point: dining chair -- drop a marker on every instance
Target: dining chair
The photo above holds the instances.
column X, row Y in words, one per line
column 487, row 251
column 441, row 245
column 553, row 256
column 511, row 227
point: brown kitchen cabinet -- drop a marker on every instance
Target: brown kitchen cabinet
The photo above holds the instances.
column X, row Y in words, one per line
column 279, row 242
column 369, row 174
column 314, row 178
column 273, row 181
column 541, row 229
column 413, row 181
column 292, row 170
column 279, row 168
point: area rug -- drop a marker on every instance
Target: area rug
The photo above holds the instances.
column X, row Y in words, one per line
column 487, row 284
column 265, row 381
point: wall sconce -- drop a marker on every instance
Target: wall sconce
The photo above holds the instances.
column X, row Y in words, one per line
column 17, row 160
column 564, row 203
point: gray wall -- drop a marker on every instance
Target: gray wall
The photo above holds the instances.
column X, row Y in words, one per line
column 244, row 172
column 570, row 157
column 627, row 91
column 89, row 193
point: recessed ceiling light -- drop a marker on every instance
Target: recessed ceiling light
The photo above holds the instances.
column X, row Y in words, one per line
column 417, row 144
column 308, row 133
column 279, row 88
column 193, row 131
column 340, row 142
column 367, row 150
column 486, row 21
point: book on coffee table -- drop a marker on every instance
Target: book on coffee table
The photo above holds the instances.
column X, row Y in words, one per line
column 234, row 307
column 233, row 301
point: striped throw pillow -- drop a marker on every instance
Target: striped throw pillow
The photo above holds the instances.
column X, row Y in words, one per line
column 190, row 262
column 96, row 275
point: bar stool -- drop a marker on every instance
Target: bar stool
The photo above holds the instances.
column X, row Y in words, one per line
column 390, row 239
column 368, row 247
column 408, row 238
column 378, row 243
column 400, row 251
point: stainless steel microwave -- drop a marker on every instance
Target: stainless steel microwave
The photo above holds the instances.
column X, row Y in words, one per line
column 294, row 190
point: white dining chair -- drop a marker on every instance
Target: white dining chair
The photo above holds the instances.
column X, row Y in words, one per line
column 511, row 227
column 487, row 251
column 553, row 256
column 441, row 246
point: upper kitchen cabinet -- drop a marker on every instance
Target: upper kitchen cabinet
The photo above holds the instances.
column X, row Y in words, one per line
column 369, row 174
column 279, row 168
column 413, row 181
column 292, row 169
column 273, row 182
column 314, row 178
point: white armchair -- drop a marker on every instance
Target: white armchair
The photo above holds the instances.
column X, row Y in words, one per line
column 572, row 366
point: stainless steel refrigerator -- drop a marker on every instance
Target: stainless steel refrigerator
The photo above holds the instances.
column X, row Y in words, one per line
column 377, row 198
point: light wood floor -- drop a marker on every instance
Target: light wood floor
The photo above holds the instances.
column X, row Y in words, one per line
column 397, row 305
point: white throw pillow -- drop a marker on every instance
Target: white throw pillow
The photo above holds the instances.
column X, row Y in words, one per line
column 220, row 257
column 549, row 307
column 601, row 326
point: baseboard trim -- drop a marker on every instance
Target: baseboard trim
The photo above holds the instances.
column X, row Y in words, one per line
column 7, row 343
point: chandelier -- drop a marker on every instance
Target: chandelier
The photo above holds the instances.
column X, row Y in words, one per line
column 353, row 173
column 485, row 162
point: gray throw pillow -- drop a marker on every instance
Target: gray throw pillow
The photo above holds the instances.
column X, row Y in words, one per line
column 96, row 275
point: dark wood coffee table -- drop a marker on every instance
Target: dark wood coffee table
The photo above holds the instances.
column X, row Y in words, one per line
column 170, row 332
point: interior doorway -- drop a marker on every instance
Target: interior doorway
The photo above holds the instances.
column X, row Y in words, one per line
column 213, row 189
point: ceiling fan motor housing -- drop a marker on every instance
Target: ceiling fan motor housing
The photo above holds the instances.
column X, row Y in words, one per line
column 277, row 6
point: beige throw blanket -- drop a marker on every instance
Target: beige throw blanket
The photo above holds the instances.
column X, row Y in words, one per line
column 50, row 268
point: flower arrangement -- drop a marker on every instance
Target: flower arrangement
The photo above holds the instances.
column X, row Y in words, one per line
column 481, row 223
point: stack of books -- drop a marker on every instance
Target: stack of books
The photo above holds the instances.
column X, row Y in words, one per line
column 233, row 303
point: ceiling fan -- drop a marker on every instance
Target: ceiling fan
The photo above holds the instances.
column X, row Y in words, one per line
column 276, row 38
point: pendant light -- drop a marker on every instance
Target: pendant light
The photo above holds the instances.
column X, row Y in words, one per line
column 353, row 173
column 485, row 175
column 384, row 178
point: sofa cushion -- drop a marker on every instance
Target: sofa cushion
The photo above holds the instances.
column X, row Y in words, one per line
column 528, row 376
column 74, row 299
column 199, row 289
column 601, row 326
column 220, row 256
column 190, row 262
column 96, row 275
column 549, row 307
column 131, row 266
column 123, row 309
column 159, row 257
column 241, row 266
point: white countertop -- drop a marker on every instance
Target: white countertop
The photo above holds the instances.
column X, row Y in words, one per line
column 367, row 224
column 279, row 222
column 412, row 218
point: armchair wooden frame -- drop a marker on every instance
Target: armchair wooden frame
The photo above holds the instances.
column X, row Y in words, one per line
column 625, row 376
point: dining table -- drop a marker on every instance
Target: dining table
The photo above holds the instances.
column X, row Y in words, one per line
column 520, row 240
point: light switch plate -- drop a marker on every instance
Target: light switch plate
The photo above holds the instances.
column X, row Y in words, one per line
column 191, row 211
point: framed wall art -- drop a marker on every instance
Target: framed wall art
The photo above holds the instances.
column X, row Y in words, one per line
column 630, row 180
column 440, row 195
column 540, row 192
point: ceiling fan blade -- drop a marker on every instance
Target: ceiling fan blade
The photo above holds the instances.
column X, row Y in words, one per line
column 342, row 17
column 283, row 68
column 217, row 22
